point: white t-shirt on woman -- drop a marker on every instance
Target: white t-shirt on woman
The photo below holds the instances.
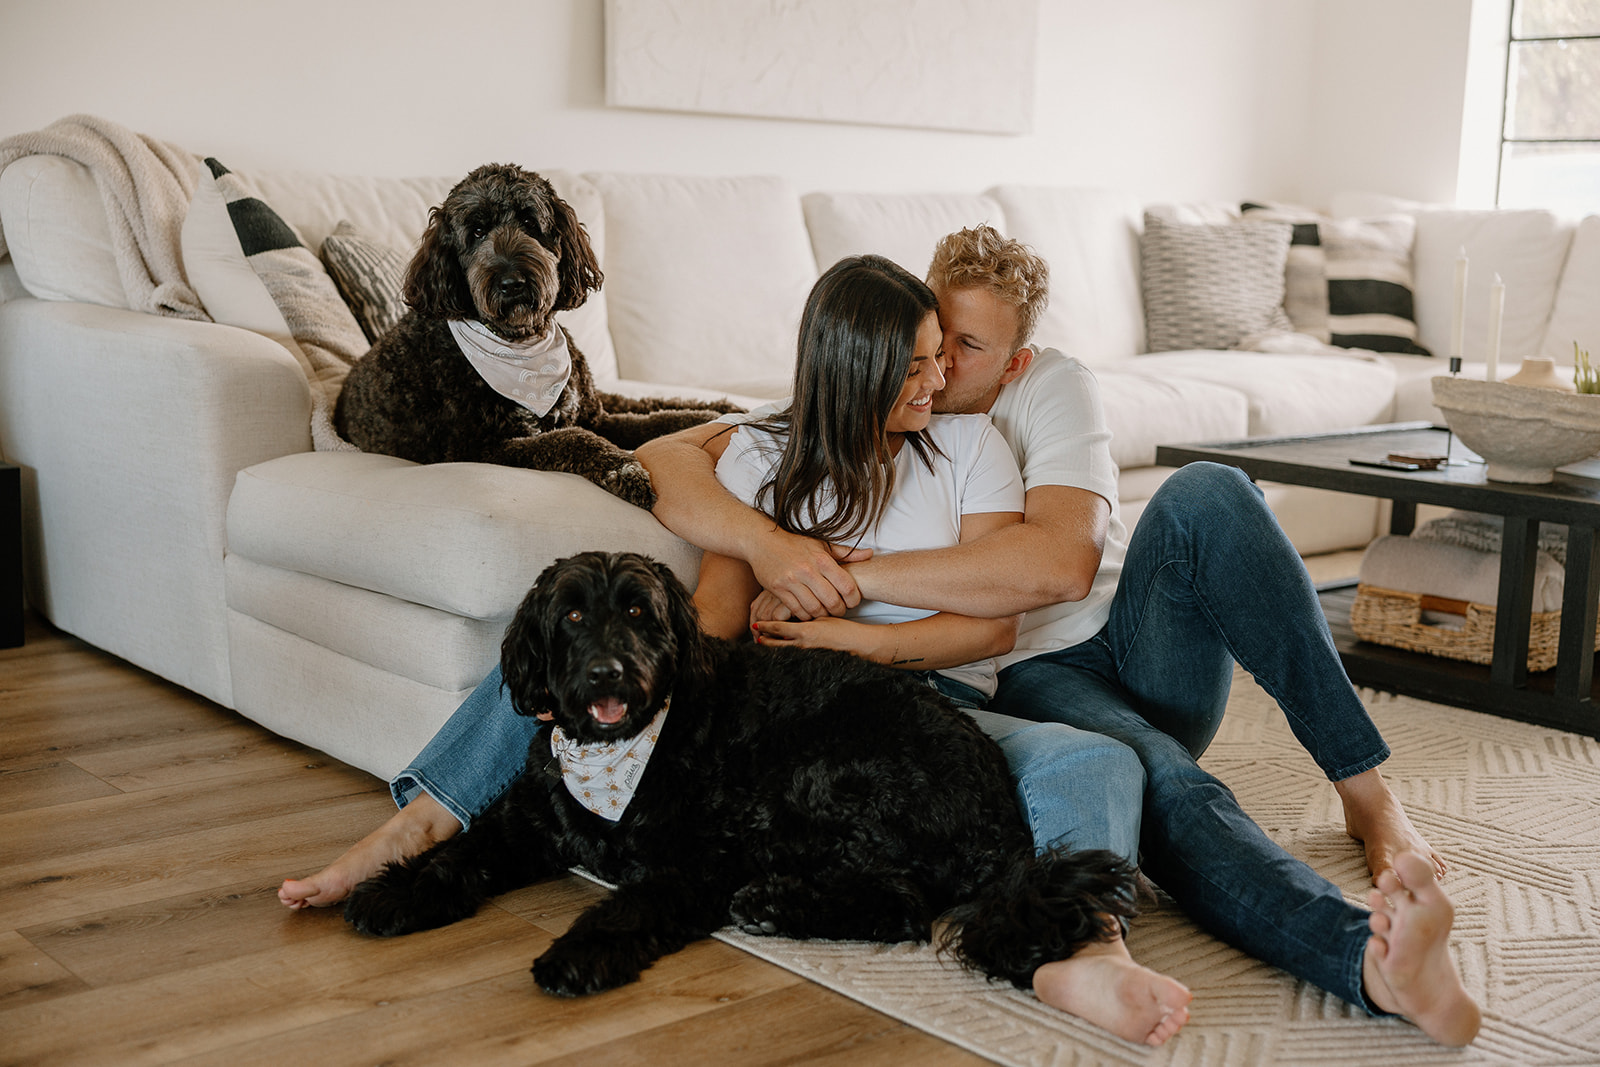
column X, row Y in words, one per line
column 976, row 475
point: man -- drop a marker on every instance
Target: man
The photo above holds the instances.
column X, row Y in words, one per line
column 1124, row 659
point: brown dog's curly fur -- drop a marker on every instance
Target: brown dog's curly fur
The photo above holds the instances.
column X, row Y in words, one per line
column 505, row 250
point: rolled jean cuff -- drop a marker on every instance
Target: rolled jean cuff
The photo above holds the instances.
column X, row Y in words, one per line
column 405, row 786
column 1358, row 985
column 1361, row 766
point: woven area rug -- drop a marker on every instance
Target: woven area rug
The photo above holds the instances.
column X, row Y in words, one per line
column 1515, row 809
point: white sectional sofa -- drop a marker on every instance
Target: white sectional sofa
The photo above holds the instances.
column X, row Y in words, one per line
column 176, row 515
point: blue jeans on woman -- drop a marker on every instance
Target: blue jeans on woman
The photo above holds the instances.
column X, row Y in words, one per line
column 1106, row 731
column 1210, row 579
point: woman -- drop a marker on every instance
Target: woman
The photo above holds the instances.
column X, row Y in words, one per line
column 857, row 457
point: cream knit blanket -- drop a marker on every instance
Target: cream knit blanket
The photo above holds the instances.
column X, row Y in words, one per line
column 146, row 186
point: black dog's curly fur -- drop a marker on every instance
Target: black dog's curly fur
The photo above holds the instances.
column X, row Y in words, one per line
column 802, row 793
column 504, row 249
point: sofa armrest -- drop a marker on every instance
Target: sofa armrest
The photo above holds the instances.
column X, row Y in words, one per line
column 129, row 429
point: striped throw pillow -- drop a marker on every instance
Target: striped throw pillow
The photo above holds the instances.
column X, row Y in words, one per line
column 1348, row 282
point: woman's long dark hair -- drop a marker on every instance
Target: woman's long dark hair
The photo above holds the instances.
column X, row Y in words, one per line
column 857, row 338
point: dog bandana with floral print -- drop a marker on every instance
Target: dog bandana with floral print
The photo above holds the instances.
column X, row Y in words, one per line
column 531, row 373
column 603, row 775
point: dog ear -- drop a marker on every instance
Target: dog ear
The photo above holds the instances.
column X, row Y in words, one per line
column 694, row 650
column 435, row 284
column 522, row 654
column 579, row 271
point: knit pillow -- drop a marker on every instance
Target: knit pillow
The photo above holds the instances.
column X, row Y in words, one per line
column 369, row 275
column 1211, row 286
column 251, row 270
column 1348, row 281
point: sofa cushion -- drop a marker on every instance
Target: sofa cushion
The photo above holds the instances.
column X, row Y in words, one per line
column 708, row 276
column 1576, row 315
column 1090, row 238
column 1348, row 282
column 1527, row 250
column 395, row 212
column 1287, row 394
column 1211, row 286
column 467, row 538
column 251, row 270
column 55, row 227
column 904, row 228
column 1146, row 410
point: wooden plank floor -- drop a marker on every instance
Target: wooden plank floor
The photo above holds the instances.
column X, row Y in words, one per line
column 143, row 833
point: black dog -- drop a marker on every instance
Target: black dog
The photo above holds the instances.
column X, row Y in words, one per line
column 505, row 251
column 802, row 793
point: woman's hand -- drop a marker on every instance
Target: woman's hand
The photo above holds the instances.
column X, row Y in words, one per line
column 827, row 632
column 766, row 607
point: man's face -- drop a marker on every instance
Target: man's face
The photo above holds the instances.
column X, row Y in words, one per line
column 980, row 333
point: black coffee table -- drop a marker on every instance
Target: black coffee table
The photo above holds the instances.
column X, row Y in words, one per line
column 1565, row 696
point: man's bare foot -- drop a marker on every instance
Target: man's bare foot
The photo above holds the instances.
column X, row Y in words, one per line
column 409, row 832
column 1373, row 816
column 1102, row 985
column 1407, row 968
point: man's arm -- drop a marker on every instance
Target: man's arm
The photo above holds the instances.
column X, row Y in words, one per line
column 1051, row 557
column 690, row 502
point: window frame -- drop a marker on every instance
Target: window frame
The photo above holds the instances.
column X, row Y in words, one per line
column 1512, row 40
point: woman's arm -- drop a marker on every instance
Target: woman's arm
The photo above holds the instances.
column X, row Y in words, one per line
column 941, row 640
column 722, row 595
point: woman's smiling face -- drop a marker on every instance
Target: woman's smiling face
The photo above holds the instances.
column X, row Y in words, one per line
column 915, row 403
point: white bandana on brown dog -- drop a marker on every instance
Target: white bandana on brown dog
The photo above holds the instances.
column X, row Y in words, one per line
column 531, row 373
column 603, row 775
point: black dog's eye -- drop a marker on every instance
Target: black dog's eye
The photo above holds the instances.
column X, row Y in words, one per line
column 478, row 232
column 574, row 615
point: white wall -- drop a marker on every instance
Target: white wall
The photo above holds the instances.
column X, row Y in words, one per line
column 1166, row 98
column 1387, row 98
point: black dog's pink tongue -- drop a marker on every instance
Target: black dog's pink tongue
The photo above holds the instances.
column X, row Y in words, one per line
column 609, row 710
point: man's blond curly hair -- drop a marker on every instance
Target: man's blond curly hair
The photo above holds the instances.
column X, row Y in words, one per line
column 979, row 257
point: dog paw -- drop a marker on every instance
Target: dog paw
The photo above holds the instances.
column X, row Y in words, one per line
column 631, row 482
column 568, row 971
column 402, row 900
column 757, row 908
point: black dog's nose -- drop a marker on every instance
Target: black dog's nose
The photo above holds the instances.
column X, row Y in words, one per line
column 509, row 284
column 605, row 670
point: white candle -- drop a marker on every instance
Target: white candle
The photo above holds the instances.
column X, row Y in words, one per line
column 1497, row 302
column 1458, row 311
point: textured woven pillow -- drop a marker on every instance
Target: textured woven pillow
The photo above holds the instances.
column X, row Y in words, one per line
column 251, row 270
column 1348, row 281
column 369, row 275
column 1211, row 286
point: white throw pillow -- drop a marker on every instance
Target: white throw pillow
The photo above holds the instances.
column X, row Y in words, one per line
column 709, row 277
column 56, row 230
column 901, row 227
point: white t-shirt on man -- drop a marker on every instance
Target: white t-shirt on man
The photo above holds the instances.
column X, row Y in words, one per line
column 975, row 475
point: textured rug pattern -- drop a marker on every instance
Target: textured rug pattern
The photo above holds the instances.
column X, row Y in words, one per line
column 1515, row 810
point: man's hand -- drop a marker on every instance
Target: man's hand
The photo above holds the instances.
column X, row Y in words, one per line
column 804, row 577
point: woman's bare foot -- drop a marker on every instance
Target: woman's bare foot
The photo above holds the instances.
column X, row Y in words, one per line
column 1373, row 816
column 1102, row 985
column 411, row 831
column 1407, row 968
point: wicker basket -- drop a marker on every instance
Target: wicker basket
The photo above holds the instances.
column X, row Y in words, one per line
column 1389, row 617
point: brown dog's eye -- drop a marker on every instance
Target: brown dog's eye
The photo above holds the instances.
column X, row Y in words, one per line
column 574, row 615
column 635, row 611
